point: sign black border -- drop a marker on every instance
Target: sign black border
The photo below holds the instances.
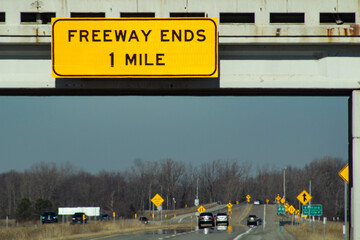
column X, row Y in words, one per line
column 133, row 75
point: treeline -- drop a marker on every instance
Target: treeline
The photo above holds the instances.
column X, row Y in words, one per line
column 48, row 186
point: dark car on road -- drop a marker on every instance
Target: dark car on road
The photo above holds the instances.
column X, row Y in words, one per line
column 252, row 220
column 206, row 219
column 49, row 217
column 144, row 220
column 104, row 217
column 79, row 217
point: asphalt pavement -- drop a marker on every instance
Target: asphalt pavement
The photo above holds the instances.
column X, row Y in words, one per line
column 238, row 229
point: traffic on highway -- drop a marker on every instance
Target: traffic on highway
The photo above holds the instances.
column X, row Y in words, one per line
column 214, row 223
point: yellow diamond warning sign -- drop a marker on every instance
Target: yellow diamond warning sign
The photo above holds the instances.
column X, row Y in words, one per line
column 201, row 209
column 157, row 200
column 134, row 48
column 304, row 197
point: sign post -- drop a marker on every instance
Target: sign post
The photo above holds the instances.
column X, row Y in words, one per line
column 157, row 200
column 83, row 220
column 344, row 174
column 114, row 220
column 248, row 197
column 229, row 205
column 304, row 197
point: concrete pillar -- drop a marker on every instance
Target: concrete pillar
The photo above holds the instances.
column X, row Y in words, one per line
column 355, row 193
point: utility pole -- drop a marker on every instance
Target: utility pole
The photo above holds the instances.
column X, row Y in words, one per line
column 284, row 197
column 196, row 202
column 197, row 188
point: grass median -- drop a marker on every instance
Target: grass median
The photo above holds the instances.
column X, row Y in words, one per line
column 333, row 231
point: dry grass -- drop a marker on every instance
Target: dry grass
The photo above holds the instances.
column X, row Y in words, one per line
column 333, row 231
column 75, row 231
column 36, row 231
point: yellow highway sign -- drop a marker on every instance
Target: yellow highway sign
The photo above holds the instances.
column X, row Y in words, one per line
column 201, row 209
column 291, row 209
column 248, row 197
column 282, row 201
column 229, row 205
column 344, row 173
column 134, row 47
column 157, row 200
column 278, row 198
column 304, row 197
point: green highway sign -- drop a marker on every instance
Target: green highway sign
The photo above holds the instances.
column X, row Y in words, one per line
column 280, row 209
column 315, row 210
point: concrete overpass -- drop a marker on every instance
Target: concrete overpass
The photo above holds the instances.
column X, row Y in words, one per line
column 272, row 47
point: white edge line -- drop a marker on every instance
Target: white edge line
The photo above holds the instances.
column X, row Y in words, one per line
column 242, row 234
column 264, row 222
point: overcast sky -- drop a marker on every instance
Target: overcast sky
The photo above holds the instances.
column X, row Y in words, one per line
column 109, row 133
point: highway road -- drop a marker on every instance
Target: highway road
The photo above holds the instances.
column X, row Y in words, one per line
column 238, row 229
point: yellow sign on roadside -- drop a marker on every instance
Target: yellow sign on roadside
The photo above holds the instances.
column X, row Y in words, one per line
column 282, row 200
column 157, row 200
column 291, row 209
column 201, row 209
column 229, row 205
column 304, row 197
column 344, row 173
column 278, row 197
column 134, row 48
column 248, row 197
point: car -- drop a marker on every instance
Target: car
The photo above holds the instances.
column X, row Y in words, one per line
column 104, row 217
column 206, row 219
column 258, row 202
column 79, row 217
column 222, row 219
column 252, row 220
column 49, row 217
column 144, row 220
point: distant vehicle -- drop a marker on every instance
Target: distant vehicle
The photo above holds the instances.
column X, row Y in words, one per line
column 252, row 220
column 258, row 202
column 144, row 220
column 222, row 218
column 49, row 217
column 79, row 217
column 206, row 219
column 104, row 217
